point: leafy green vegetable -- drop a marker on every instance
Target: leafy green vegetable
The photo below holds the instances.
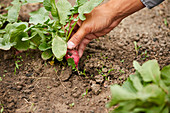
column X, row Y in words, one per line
column 71, row 62
column 47, row 4
column 14, row 11
column 47, row 54
column 59, row 47
column 22, row 45
column 41, row 32
column 63, row 7
column 39, row 16
column 149, row 71
column 51, row 6
column 44, row 47
column 2, row 20
column 143, row 92
column 165, row 73
column 81, row 2
column 32, row 1
column 5, row 44
column 87, row 8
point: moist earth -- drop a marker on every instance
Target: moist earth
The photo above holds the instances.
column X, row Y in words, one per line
column 30, row 84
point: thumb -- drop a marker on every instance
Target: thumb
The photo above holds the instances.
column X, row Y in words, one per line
column 76, row 38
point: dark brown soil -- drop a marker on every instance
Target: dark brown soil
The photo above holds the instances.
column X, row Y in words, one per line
column 47, row 87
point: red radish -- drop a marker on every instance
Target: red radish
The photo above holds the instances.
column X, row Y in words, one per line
column 73, row 54
column 18, row 52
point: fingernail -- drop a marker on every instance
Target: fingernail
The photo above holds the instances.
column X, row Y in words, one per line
column 71, row 45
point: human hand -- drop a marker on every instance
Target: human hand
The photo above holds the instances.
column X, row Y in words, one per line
column 101, row 21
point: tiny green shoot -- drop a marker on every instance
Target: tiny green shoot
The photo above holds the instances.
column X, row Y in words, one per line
column 121, row 71
column 136, row 47
column 2, row 108
column 122, row 61
column 110, row 70
column 85, row 92
column 5, row 71
column 72, row 104
column 145, row 55
column 165, row 22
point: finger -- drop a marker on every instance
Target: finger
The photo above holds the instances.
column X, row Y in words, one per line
column 76, row 38
column 103, row 32
column 84, row 43
column 82, row 46
column 79, row 22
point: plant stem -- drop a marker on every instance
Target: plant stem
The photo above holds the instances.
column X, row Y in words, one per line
column 71, row 30
column 68, row 28
column 136, row 49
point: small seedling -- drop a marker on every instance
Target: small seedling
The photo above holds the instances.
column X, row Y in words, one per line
column 110, row 71
column 48, row 87
column 88, row 57
column 83, row 73
column 2, row 108
column 136, row 47
column 85, row 93
column 5, row 71
column 91, row 55
column 20, row 57
column 145, row 55
column 106, row 78
column 99, row 71
column 17, row 65
column 45, row 63
column 165, row 22
column 71, row 105
column 120, row 78
column 104, row 75
column 122, row 61
column 121, row 71
column 105, row 57
column 32, row 108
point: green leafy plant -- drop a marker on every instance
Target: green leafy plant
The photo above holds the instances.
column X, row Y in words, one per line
column 146, row 91
column 41, row 32
column 145, row 55
column 2, row 108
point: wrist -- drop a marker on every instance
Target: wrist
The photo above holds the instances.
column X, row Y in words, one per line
column 123, row 8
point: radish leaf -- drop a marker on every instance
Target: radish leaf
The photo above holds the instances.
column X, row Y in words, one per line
column 87, row 8
column 39, row 16
column 14, row 11
column 63, row 7
column 59, row 47
column 22, row 45
column 149, row 71
column 47, row 54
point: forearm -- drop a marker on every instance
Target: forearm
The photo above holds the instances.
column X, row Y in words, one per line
column 123, row 8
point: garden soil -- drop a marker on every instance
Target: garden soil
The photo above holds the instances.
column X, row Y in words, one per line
column 38, row 86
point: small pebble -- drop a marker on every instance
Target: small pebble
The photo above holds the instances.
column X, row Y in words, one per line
column 99, row 78
column 28, row 74
column 155, row 39
column 95, row 88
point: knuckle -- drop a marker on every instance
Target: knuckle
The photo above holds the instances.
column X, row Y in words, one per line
column 76, row 39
